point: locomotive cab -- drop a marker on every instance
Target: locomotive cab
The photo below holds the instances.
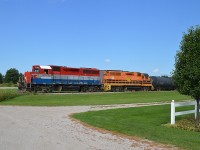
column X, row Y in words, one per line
column 42, row 69
column 36, row 69
column 31, row 80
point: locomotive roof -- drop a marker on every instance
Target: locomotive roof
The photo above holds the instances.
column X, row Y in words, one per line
column 45, row 67
column 73, row 67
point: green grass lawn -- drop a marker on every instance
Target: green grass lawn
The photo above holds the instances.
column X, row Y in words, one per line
column 94, row 99
column 145, row 122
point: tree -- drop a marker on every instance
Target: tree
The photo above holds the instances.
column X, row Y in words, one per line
column 12, row 75
column 187, row 66
column 1, row 78
column 21, row 74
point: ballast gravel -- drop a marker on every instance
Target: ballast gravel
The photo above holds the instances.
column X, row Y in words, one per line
column 51, row 128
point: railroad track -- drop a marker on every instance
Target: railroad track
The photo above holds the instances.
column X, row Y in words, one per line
column 62, row 93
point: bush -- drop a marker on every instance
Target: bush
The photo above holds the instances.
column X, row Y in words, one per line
column 185, row 124
column 8, row 85
column 8, row 94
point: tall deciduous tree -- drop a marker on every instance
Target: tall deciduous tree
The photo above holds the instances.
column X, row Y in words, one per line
column 1, row 78
column 12, row 75
column 187, row 66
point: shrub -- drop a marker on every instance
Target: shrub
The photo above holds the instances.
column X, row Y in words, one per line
column 8, row 94
column 8, row 85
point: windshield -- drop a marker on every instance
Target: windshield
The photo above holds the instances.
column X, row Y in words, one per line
column 36, row 70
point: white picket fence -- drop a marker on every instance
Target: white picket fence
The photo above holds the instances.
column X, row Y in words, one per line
column 174, row 113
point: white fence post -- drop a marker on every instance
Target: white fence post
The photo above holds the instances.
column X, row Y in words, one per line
column 195, row 110
column 172, row 112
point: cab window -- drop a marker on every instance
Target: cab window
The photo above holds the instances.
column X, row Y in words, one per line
column 46, row 71
column 36, row 70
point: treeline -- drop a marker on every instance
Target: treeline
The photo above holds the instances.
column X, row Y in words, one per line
column 10, row 78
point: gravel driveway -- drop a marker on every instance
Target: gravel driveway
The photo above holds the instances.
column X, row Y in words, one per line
column 51, row 128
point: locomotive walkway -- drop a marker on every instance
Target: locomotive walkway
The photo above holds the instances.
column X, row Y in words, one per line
column 51, row 128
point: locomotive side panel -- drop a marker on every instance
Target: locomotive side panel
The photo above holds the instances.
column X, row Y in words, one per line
column 123, row 81
column 48, row 78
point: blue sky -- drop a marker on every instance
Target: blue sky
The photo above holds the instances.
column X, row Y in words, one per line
column 131, row 35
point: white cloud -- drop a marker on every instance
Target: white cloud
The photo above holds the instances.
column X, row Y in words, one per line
column 156, row 70
column 107, row 60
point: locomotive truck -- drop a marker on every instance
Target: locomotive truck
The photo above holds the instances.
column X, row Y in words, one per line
column 61, row 78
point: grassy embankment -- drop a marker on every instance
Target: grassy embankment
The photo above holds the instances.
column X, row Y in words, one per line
column 6, row 94
column 94, row 99
column 8, row 85
column 145, row 122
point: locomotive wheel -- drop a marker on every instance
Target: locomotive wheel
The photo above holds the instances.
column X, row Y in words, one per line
column 91, row 89
column 84, row 89
column 123, row 89
column 145, row 88
column 113, row 89
column 116, row 89
column 36, row 89
column 95, row 89
column 49, row 90
column 158, row 89
column 58, row 88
